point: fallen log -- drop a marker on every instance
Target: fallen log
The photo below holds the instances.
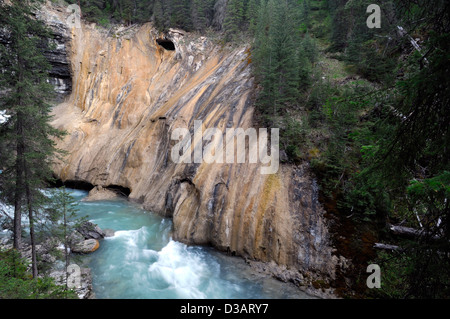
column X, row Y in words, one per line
column 410, row 232
column 385, row 246
column 405, row 231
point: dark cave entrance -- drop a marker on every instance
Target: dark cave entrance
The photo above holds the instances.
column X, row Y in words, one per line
column 82, row 185
column 86, row 186
column 120, row 190
column 166, row 44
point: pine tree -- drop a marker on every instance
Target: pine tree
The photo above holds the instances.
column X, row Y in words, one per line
column 234, row 19
column 276, row 54
column 158, row 15
column 27, row 145
column 263, row 59
column 340, row 25
column 181, row 14
column 143, row 11
column 202, row 13
column 305, row 14
column 61, row 216
column 310, row 48
column 252, row 14
column 286, row 53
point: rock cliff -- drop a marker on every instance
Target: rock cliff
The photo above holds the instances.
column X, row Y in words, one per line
column 129, row 94
column 56, row 52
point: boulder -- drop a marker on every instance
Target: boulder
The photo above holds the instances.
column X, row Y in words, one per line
column 84, row 290
column 90, row 231
column 99, row 193
column 109, row 232
column 75, row 238
column 86, row 246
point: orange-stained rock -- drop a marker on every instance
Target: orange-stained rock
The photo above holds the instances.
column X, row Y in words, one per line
column 97, row 245
column 86, row 246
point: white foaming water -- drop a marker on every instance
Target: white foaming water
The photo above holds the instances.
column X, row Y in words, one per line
column 141, row 261
column 182, row 270
column 76, row 193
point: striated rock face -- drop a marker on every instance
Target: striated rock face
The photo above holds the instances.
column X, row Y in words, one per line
column 56, row 53
column 129, row 95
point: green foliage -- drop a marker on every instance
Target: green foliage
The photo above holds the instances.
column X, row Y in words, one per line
column 104, row 22
column 394, row 284
column 281, row 64
column 385, row 159
column 202, row 14
column 234, row 19
column 415, row 271
column 310, row 49
column 429, row 197
column 180, row 14
column 432, row 189
column 355, row 132
column 305, row 15
column 60, row 221
column 27, row 142
column 17, row 283
column 185, row 14
column 293, row 139
column 372, row 52
column 252, row 14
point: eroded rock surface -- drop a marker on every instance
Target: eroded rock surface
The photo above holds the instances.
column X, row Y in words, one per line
column 129, row 95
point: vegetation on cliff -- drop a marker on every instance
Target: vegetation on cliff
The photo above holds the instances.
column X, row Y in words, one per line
column 375, row 126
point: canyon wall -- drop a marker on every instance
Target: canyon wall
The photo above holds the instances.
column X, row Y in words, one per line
column 129, row 94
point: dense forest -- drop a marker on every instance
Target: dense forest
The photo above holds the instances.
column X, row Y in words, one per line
column 197, row 15
column 367, row 108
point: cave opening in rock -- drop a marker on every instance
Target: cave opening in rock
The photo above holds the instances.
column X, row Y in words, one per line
column 75, row 184
column 120, row 190
column 166, row 44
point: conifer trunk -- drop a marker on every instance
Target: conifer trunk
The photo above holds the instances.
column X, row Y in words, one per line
column 20, row 149
column 34, row 270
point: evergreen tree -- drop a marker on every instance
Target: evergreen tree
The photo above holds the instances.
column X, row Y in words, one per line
column 158, row 15
column 276, row 53
column 27, row 145
column 263, row 59
column 143, row 11
column 252, row 14
column 310, row 48
column 61, row 216
column 202, row 13
column 181, row 14
column 305, row 14
column 234, row 19
column 15, row 281
column 340, row 25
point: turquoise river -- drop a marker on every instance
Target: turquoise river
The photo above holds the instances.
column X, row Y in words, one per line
column 141, row 261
